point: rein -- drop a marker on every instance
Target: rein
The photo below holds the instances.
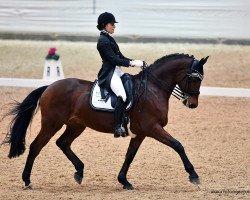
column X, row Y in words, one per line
column 143, row 83
column 175, row 91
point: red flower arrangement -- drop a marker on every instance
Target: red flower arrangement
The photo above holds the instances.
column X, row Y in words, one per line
column 52, row 54
column 52, row 51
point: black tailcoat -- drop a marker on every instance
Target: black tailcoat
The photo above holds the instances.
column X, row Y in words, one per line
column 111, row 57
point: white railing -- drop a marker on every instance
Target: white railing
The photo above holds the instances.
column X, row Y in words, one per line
column 207, row 91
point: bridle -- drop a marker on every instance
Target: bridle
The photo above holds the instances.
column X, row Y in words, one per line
column 192, row 75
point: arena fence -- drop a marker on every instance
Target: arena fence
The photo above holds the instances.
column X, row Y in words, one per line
column 207, row 91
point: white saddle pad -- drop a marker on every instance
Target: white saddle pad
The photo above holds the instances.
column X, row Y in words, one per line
column 98, row 103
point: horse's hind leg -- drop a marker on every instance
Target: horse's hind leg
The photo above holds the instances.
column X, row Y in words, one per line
column 64, row 142
column 45, row 134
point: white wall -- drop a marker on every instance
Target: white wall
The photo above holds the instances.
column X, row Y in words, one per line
column 228, row 19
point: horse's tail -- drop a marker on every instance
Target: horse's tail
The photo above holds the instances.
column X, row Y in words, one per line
column 23, row 114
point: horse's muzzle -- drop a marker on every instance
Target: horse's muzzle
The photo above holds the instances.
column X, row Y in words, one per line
column 190, row 102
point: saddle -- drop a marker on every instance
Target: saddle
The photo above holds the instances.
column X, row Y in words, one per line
column 104, row 99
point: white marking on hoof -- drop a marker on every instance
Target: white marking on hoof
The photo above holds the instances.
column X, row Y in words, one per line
column 123, row 129
column 132, row 135
column 28, row 187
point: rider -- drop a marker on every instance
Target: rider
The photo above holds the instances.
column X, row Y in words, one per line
column 110, row 73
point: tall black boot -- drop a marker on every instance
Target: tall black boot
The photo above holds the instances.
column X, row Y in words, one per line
column 119, row 110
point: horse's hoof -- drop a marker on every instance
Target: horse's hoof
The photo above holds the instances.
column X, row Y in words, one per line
column 194, row 180
column 28, row 187
column 124, row 134
column 128, row 187
column 78, row 178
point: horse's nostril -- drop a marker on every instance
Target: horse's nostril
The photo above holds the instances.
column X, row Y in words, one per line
column 193, row 106
column 185, row 102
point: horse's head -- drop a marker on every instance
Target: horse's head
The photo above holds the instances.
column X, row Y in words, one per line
column 190, row 84
column 182, row 70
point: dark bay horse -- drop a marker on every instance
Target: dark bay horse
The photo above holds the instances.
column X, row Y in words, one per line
column 67, row 102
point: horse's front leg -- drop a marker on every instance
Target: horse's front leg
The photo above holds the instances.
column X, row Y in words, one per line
column 163, row 136
column 131, row 152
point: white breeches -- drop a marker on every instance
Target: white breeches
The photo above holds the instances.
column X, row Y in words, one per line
column 116, row 83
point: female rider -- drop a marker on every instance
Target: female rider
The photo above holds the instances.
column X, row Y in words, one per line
column 110, row 73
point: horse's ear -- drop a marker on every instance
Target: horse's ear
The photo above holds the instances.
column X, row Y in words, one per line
column 203, row 61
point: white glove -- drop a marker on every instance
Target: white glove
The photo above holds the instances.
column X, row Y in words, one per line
column 136, row 63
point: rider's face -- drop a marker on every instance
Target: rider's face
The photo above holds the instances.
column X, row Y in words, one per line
column 110, row 28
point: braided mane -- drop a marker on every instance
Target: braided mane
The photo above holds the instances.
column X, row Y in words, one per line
column 167, row 58
column 172, row 56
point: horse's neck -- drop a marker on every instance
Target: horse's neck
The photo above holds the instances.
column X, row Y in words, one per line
column 165, row 73
column 171, row 71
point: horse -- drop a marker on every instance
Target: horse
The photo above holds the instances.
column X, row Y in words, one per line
column 66, row 102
